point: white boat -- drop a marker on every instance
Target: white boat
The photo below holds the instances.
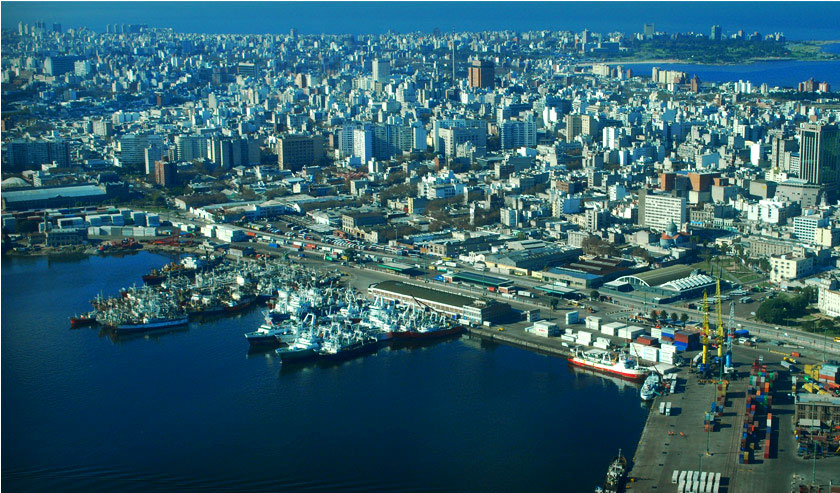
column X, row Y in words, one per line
column 608, row 362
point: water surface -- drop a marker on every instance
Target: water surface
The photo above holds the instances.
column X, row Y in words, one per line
column 193, row 410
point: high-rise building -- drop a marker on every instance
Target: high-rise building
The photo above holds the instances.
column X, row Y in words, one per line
column 59, row 65
column 296, row 151
column 23, row 155
column 363, row 143
column 152, row 154
column 481, row 74
column 659, row 211
column 819, row 155
column 716, row 33
column 166, row 174
column 381, row 70
column 190, row 147
column 649, row 30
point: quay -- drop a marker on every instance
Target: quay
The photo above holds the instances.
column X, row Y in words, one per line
column 679, row 442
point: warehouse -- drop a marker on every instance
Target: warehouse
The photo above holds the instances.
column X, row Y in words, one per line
column 663, row 285
column 451, row 304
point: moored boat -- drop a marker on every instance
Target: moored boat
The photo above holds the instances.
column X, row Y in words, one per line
column 83, row 320
column 151, row 323
column 608, row 362
column 616, row 475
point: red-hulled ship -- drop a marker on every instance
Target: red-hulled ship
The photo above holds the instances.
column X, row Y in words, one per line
column 608, row 362
column 85, row 320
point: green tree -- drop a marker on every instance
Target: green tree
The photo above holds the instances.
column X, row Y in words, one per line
column 593, row 295
column 674, row 316
column 684, row 318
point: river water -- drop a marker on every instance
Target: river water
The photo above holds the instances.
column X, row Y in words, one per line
column 193, row 410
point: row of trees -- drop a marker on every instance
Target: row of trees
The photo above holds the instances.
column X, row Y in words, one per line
column 664, row 315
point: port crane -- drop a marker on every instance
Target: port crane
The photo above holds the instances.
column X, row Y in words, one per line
column 704, row 363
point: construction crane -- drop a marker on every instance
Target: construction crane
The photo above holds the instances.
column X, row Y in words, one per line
column 705, row 361
column 719, row 326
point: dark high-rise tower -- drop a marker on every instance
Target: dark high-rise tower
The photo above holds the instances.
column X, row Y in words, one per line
column 819, row 155
column 716, row 33
column 481, row 74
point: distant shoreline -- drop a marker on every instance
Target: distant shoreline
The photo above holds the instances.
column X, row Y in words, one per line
column 691, row 62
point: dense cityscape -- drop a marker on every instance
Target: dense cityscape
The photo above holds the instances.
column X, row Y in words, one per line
column 547, row 190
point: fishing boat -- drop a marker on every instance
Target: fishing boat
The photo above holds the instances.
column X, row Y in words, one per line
column 650, row 389
column 608, row 362
column 84, row 320
column 616, row 476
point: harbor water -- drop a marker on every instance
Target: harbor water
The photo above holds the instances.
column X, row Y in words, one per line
column 783, row 73
column 191, row 408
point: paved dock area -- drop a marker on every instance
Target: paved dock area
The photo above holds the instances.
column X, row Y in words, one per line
column 678, row 442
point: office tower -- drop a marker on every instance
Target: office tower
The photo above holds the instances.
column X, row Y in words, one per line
column 819, row 155
column 166, row 174
column 381, row 70
column 151, row 155
column 596, row 220
column 778, row 148
column 649, row 30
column 363, row 143
column 191, row 147
column 481, row 74
column 659, row 211
column 584, row 38
column 518, row 133
column 716, row 33
column 59, row 65
column 296, row 151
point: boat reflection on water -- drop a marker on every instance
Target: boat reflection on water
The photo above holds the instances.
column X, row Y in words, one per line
column 153, row 334
column 419, row 344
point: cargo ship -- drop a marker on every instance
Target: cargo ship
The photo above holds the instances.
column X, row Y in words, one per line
column 608, row 362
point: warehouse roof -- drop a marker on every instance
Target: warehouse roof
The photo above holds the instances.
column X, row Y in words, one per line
column 51, row 193
column 424, row 294
column 658, row 277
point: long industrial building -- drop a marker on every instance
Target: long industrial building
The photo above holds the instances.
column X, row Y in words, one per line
column 456, row 305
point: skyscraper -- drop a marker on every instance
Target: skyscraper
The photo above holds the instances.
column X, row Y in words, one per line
column 716, row 33
column 649, row 30
column 381, row 70
column 819, row 155
column 482, row 73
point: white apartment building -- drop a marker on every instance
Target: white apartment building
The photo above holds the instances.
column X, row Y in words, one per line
column 660, row 211
column 788, row 267
column 829, row 302
column 805, row 227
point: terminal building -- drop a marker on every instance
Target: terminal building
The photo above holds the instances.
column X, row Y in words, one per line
column 663, row 285
column 452, row 304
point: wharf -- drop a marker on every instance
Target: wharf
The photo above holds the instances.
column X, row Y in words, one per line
column 663, row 449
column 551, row 347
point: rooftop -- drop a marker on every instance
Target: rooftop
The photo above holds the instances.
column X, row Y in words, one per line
column 657, row 277
column 421, row 293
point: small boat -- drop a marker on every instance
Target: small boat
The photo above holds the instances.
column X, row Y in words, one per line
column 84, row 320
column 616, row 475
column 650, row 388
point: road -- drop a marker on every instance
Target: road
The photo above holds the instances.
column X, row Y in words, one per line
column 756, row 328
